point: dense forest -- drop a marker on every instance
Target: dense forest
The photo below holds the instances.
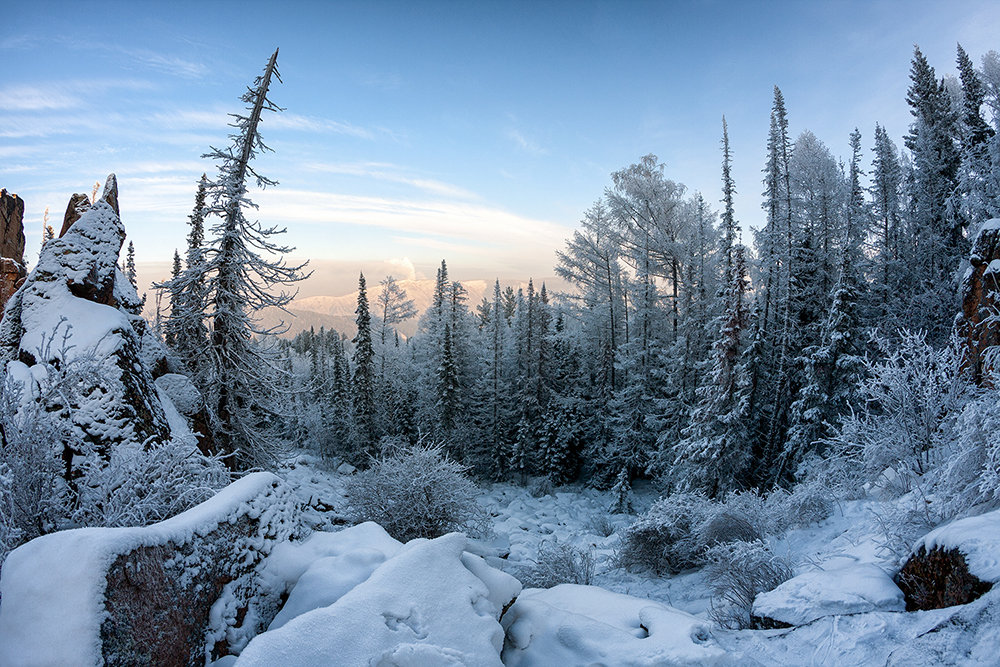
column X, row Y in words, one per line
column 687, row 350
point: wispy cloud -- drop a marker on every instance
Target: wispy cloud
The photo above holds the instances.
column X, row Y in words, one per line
column 218, row 118
column 524, row 143
column 59, row 95
column 393, row 174
column 448, row 221
column 168, row 64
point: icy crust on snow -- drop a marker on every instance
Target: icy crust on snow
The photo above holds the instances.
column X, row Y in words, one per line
column 850, row 590
column 52, row 588
column 572, row 624
column 977, row 537
column 430, row 604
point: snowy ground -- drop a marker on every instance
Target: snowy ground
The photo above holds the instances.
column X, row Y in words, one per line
column 967, row 635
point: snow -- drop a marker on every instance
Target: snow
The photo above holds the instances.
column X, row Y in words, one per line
column 178, row 425
column 992, row 267
column 93, row 328
column 53, row 587
column 991, row 225
column 324, row 567
column 423, row 606
column 977, row 537
column 848, row 590
column 582, row 625
column 181, row 391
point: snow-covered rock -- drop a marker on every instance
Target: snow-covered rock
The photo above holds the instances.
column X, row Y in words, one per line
column 953, row 564
column 585, row 625
column 854, row 589
column 430, row 604
column 977, row 538
column 77, row 304
column 146, row 595
column 346, row 469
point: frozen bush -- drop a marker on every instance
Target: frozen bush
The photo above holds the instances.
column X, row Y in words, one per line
column 415, row 492
column 901, row 522
column 558, row 563
column 539, row 487
column 139, row 485
column 806, row 504
column 601, row 525
column 725, row 526
column 661, row 539
column 737, row 572
column 912, row 399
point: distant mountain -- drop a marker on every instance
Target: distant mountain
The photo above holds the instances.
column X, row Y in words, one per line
column 337, row 312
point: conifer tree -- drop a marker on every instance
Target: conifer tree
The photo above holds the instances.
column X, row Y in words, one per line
column 243, row 266
column 130, row 264
column 886, row 196
column 363, row 380
column 715, row 450
column 939, row 234
column 174, row 295
column 834, row 367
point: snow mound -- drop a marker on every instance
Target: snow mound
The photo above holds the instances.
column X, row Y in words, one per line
column 323, row 568
column 977, row 537
column 53, row 588
column 430, row 604
column 851, row 590
column 571, row 624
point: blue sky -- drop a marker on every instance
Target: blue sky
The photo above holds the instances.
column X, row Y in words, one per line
column 473, row 131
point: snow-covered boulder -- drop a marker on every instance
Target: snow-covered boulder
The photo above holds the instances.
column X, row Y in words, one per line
column 429, row 604
column 953, row 564
column 174, row 592
column 571, row 624
column 854, row 589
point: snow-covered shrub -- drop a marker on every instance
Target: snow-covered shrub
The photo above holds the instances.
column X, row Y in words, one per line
column 539, row 487
column 807, row 503
column 902, row 521
column 36, row 499
column 601, row 524
column 661, row 539
column 416, row 492
column 913, row 397
column 558, row 563
column 138, row 486
column 724, row 526
column 737, row 572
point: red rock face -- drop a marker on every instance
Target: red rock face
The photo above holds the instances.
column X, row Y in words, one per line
column 980, row 301
column 11, row 245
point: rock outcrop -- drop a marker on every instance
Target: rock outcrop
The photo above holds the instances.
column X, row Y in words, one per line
column 938, row 578
column 953, row 564
column 981, row 300
column 180, row 592
column 77, row 306
column 11, row 245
